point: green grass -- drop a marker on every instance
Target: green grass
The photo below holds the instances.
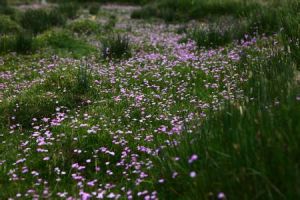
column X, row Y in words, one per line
column 85, row 26
column 63, row 42
column 251, row 145
column 68, row 89
column 246, row 149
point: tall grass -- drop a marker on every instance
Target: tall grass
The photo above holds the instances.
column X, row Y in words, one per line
column 22, row 43
column 171, row 10
column 116, row 46
column 248, row 150
column 40, row 20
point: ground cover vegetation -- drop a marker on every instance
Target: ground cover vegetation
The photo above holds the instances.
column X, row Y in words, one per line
column 168, row 99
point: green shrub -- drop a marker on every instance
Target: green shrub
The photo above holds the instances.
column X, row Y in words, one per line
column 8, row 26
column 35, row 21
column 116, row 46
column 84, row 26
column 40, row 20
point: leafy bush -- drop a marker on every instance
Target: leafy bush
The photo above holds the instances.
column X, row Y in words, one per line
column 84, row 26
column 7, row 25
column 116, row 46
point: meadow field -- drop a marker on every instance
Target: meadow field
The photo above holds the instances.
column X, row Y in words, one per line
column 150, row 99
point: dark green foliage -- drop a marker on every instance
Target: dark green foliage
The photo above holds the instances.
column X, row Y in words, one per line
column 290, row 36
column 55, row 18
column 8, row 26
column 40, row 20
column 252, row 146
column 85, row 27
column 212, row 37
column 83, row 79
column 270, row 79
column 3, row 2
column 24, row 43
column 116, row 46
column 219, row 33
column 6, row 44
column 265, row 20
column 182, row 10
column 69, row 9
column 7, row 10
column 35, row 20
column 21, row 43
column 94, row 8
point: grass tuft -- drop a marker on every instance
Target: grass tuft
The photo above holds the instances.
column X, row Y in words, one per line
column 116, row 46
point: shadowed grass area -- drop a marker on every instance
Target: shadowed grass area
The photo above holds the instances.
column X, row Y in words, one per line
column 182, row 10
column 250, row 145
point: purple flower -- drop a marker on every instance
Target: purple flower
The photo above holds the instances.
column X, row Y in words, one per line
column 193, row 158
